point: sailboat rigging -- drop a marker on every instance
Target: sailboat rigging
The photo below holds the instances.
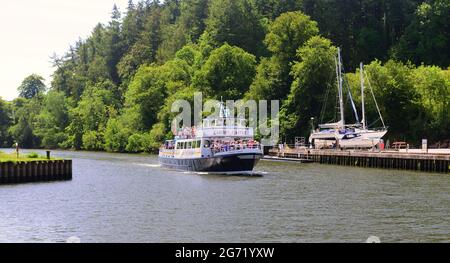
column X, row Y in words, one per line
column 339, row 134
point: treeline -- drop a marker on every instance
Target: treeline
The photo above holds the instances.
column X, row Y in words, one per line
column 114, row 90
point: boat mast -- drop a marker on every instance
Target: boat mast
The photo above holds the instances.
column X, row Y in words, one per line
column 361, row 70
column 341, row 94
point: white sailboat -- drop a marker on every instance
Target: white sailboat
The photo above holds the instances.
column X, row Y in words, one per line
column 344, row 136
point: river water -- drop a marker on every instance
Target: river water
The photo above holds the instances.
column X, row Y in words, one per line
column 129, row 198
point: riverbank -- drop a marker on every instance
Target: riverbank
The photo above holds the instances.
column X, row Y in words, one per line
column 12, row 157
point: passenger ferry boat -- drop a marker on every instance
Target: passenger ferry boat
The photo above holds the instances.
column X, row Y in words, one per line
column 220, row 145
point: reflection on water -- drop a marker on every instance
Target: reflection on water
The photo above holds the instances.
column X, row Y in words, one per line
column 130, row 198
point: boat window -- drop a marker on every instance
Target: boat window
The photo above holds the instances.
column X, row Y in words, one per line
column 219, row 123
column 189, row 145
column 231, row 122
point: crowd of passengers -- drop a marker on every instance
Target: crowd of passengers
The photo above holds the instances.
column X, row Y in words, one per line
column 222, row 146
column 225, row 146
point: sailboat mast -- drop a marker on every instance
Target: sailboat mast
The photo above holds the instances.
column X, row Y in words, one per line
column 361, row 70
column 341, row 93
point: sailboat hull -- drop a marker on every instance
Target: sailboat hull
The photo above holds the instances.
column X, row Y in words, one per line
column 364, row 139
column 360, row 139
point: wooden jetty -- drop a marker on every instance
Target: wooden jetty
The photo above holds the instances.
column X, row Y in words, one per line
column 423, row 162
column 35, row 171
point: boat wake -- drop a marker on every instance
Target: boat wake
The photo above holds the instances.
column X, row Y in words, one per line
column 239, row 173
column 149, row 165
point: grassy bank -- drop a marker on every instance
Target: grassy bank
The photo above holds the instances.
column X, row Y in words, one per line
column 12, row 157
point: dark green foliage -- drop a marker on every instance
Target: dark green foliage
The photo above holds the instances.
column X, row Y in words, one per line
column 5, row 122
column 414, row 101
column 426, row 40
column 25, row 113
column 365, row 30
column 286, row 34
column 271, row 9
column 52, row 120
column 237, row 23
column 227, row 73
column 31, row 87
column 114, row 90
column 313, row 76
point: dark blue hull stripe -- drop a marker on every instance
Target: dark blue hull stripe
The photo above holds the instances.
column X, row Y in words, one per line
column 229, row 163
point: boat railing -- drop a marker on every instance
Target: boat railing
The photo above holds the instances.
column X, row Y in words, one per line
column 292, row 146
column 225, row 131
column 236, row 147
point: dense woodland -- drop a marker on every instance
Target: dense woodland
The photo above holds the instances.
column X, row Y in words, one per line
column 113, row 91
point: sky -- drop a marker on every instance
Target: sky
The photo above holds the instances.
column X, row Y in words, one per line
column 32, row 30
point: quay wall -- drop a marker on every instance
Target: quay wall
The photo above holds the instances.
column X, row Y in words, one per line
column 35, row 171
column 423, row 162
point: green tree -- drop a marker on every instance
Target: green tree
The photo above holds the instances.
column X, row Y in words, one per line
column 90, row 117
column 366, row 29
column 166, row 116
column 144, row 98
column 271, row 82
column 25, row 113
column 52, row 120
column 5, row 122
column 237, row 23
column 114, row 48
column 148, row 90
column 137, row 143
column 139, row 54
column 227, row 73
column 399, row 101
column 193, row 15
column 433, row 85
column 426, row 40
column 286, row 34
column 116, row 136
column 289, row 32
column 314, row 74
column 131, row 25
column 273, row 8
column 31, row 87
column 93, row 141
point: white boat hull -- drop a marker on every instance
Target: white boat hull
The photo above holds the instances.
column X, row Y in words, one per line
column 363, row 139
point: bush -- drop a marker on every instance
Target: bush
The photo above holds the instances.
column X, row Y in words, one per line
column 116, row 136
column 32, row 155
column 93, row 141
column 136, row 143
column 156, row 137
